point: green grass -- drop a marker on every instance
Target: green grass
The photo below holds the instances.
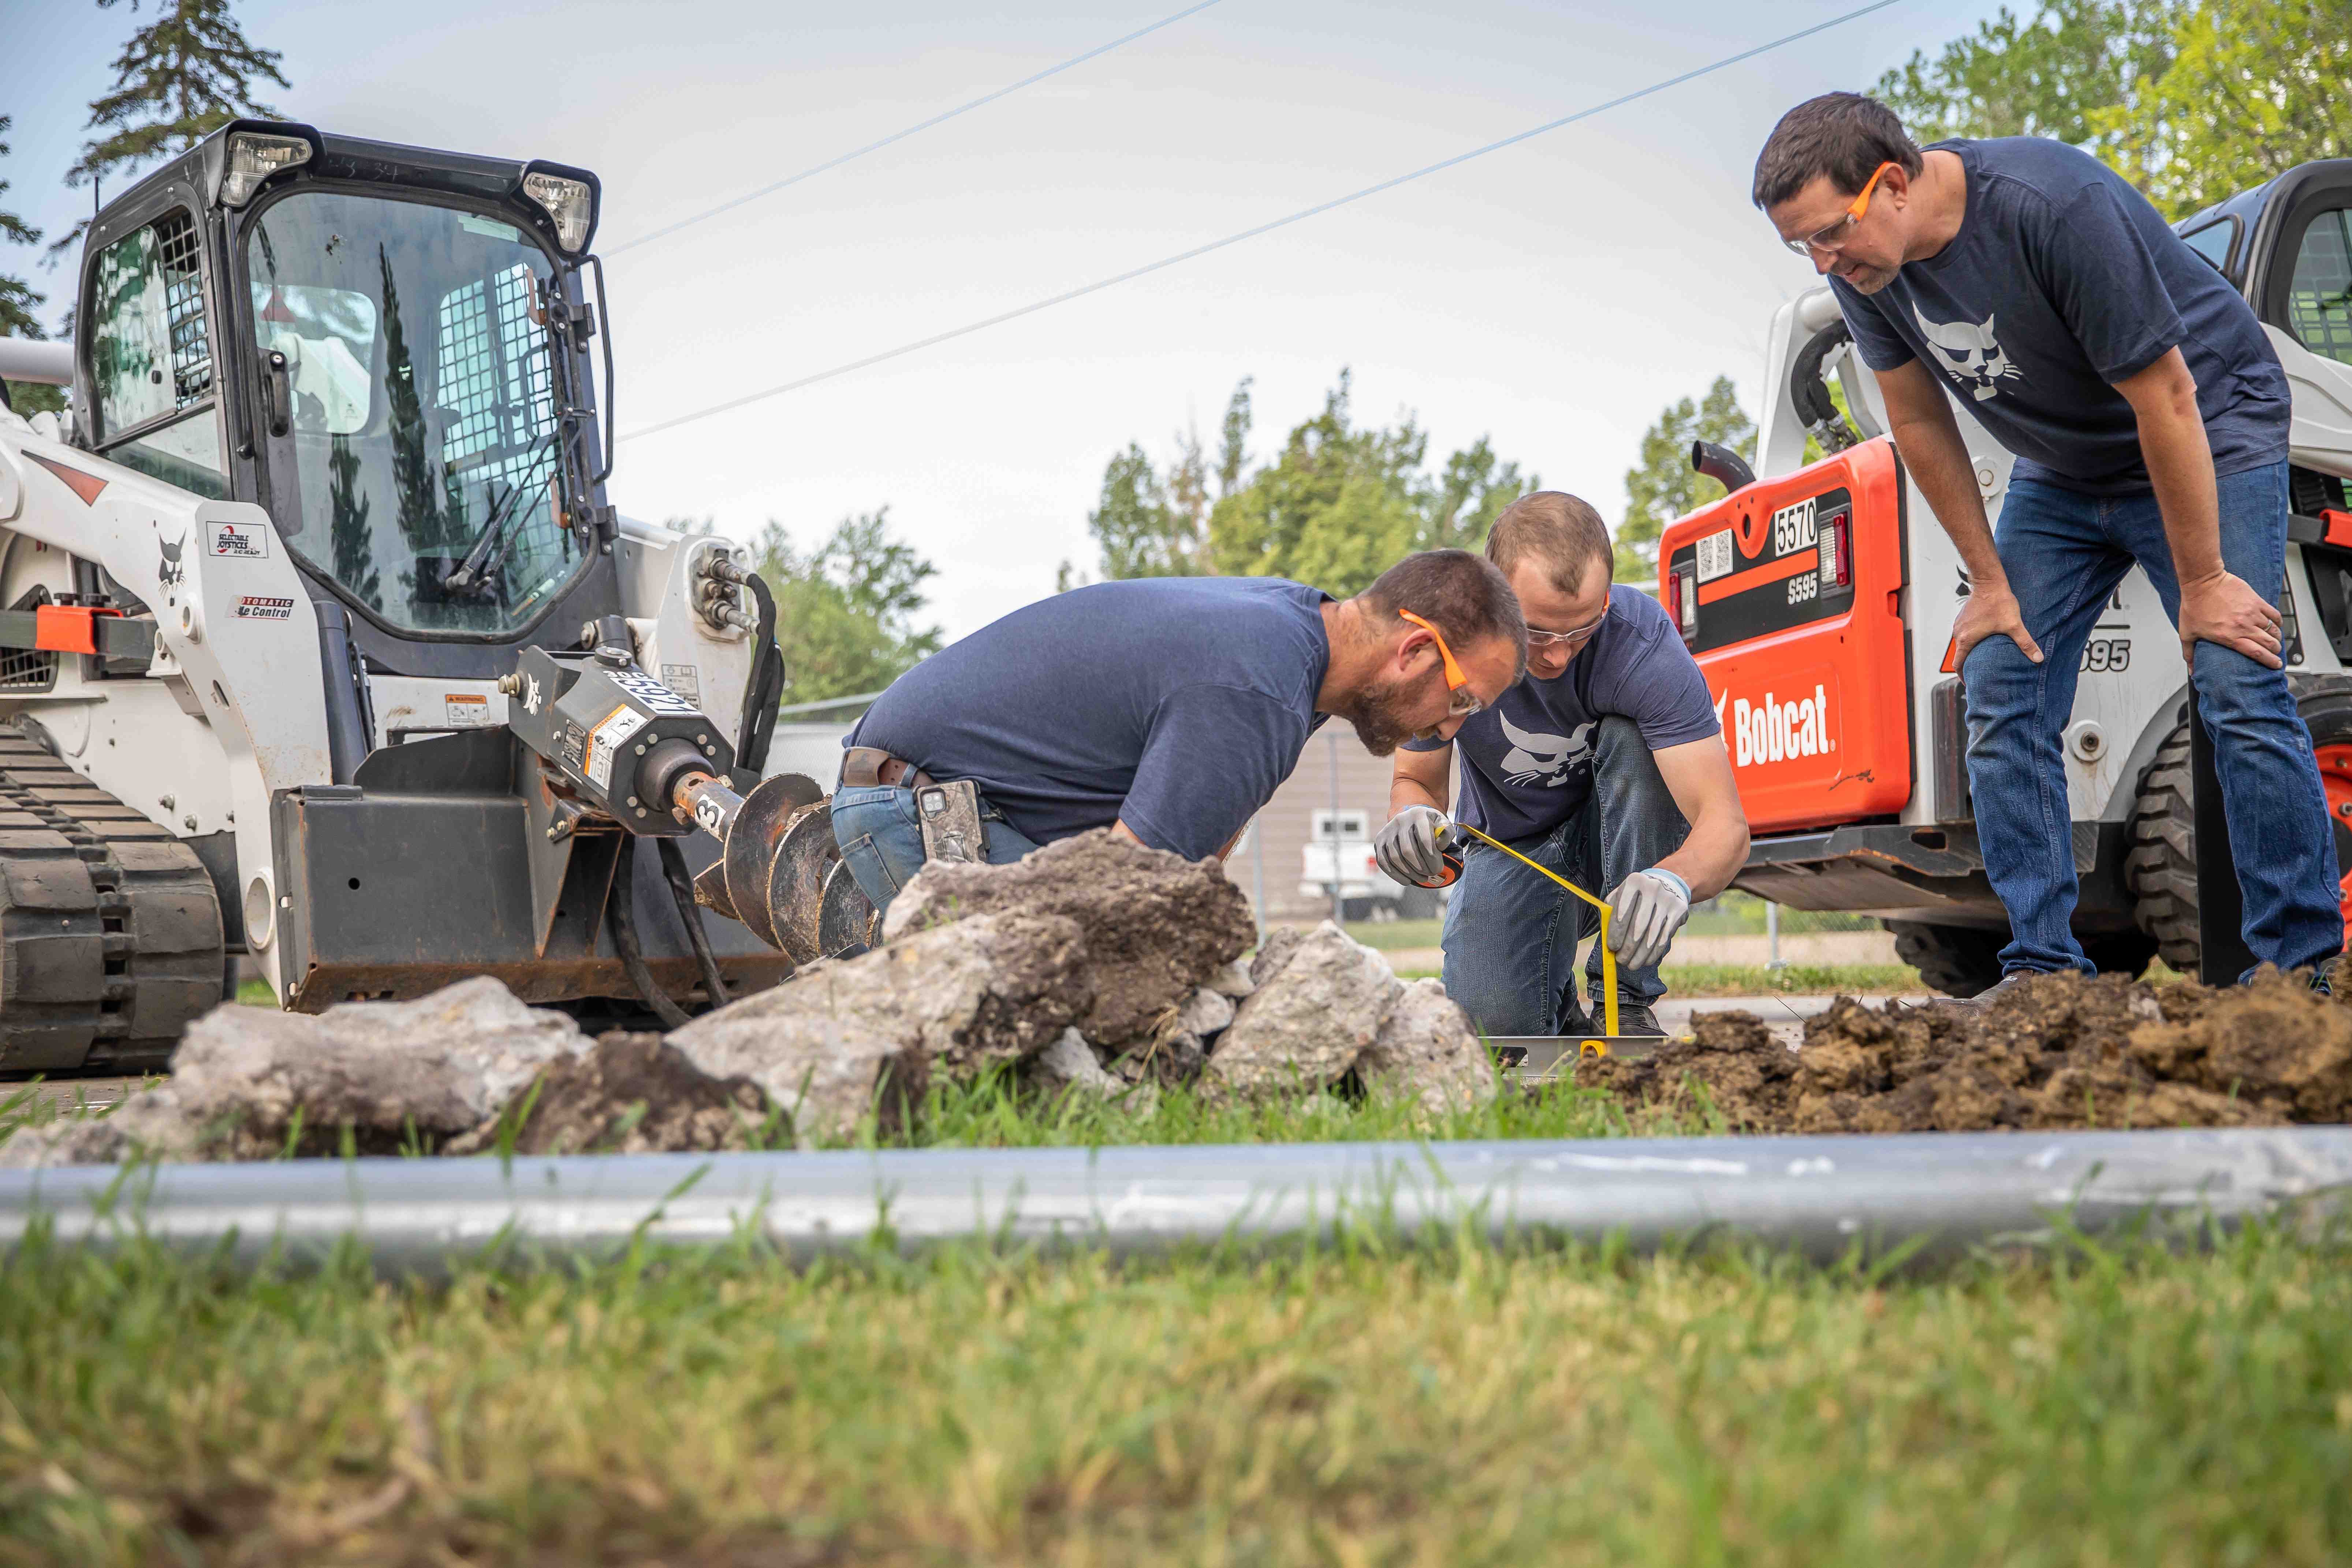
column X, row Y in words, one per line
column 1369, row 1403
column 258, row 994
column 1390, row 935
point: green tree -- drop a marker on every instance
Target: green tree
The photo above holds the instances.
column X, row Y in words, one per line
column 18, row 300
column 2049, row 76
column 1336, row 507
column 180, row 77
column 2252, row 88
column 846, row 610
column 1664, row 486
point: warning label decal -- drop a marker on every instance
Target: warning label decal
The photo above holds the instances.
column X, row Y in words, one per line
column 606, row 740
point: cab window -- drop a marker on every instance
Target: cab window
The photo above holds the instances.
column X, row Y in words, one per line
column 151, row 357
column 2320, row 299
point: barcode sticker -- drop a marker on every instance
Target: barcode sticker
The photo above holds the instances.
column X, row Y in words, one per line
column 1715, row 556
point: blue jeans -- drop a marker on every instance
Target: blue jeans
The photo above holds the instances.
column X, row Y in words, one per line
column 2065, row 553
column 882, row 838
column 1511, row 935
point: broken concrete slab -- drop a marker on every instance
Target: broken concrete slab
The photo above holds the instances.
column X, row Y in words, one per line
column 1309, row 1019
column 149, row 1124
column 247, row 1083
column 1156, row 925
column 1427, row 1048
column 1206, row 1014
column 1069, row 1063
column 869, row 1032
column 1233, row 980
column 1274, row 952
column 626, row 1094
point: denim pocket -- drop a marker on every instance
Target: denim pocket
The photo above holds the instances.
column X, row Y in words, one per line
column 872, row 871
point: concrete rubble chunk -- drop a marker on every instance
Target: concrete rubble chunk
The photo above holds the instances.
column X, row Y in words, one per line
column 1274, row 952
column 1155, row 924
column 1069, row 1063
column 1233, row 980
column 953, row 999
column 1309, row 1020
column 1427, row 1048
column 627, row 1094
column 148, row 1124
column 1206, row 1014
column 247, row 1082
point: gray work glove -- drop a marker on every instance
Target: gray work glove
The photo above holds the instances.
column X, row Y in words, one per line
column 1644, row 912
column 1406, row 847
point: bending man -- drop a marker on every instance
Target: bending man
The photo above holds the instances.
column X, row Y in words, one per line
column 2148, row 415
column 1166, row 707
column 1604, row 762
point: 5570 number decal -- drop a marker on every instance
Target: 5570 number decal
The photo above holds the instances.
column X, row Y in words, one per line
column 2108, row 654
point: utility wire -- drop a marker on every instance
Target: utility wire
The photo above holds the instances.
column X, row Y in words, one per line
column 1304, row 212
column 940, row 119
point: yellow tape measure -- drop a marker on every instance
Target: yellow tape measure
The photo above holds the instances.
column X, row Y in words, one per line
column 1608, row 959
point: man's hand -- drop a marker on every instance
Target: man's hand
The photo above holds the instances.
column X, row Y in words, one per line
column 1991, row 611
column 2223, row 608
column 1644, row 912
column 1406, row 847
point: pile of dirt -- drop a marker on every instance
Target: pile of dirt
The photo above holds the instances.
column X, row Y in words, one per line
column 2061, row 1051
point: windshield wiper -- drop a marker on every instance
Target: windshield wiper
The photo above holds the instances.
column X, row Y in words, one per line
column 475, row 572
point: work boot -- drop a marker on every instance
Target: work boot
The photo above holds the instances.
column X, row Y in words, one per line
column 1634, row 1016
column 1994, row 993
column 2323, row 975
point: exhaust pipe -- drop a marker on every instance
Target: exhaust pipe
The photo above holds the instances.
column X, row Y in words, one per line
column 1723, row 465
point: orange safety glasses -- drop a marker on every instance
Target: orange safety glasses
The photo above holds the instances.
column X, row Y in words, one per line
column 1833, row 237
column 1464, row 702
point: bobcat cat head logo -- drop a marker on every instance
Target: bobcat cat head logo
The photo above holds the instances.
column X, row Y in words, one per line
column 1536, row 758
column 1971, row 352
column 168, row 572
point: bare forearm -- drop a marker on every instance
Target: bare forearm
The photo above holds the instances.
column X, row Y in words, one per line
column 1712, row 854
column 1939, row 465
column 1422, row 778
column 2181, row 469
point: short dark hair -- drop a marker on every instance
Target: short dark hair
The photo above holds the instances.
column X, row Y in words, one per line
column 1464, row 597
column 1843, row 135
column 1558, row 528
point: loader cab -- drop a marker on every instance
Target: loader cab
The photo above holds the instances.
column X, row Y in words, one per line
column 388, row 349
column 2287, row 248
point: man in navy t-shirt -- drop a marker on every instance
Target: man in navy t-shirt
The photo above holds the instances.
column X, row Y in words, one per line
column 2148, row 415
column 1168, row 707
column 1605, row 763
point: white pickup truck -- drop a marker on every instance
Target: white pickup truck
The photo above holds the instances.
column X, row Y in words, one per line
column 1366, row 892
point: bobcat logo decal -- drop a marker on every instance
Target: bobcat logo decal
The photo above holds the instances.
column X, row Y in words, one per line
column 1536, row 758
column 168, row 570
column 1971, row 352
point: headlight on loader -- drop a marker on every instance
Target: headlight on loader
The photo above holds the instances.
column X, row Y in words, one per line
column 569, row 202
column 253, row 158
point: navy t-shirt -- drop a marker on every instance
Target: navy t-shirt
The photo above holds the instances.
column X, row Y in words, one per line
column 1527, row 760
column 1174, row 704
column 2062, row 281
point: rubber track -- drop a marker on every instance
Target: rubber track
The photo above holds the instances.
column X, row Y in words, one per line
column 109, row 927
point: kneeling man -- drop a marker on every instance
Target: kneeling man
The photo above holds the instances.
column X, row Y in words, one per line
column 1605, row 762
column 1166, row 707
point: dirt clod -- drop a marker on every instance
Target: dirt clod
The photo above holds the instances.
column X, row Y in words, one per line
column 1155, row 924
column 629, row 1094
column 2061, row 1051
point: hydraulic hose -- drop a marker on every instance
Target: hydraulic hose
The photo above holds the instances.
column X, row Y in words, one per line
column 1809, row 388
column 622, row 917
column 1722, row 465
column 764, row 691
column 681, row 891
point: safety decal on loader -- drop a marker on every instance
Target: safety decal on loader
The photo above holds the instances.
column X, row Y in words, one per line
column 240, row 541
column 608, row 737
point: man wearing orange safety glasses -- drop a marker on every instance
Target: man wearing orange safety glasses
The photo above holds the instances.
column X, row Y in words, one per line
column 2025, row 283
column 1168, row 707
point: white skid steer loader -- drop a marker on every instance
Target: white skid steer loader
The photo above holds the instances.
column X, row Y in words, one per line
column 1819, row 598
column 319, row 642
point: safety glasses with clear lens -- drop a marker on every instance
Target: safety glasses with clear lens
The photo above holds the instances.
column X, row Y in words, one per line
column 1836, row 234
column 1463, row 701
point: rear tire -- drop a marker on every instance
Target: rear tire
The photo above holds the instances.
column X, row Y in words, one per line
column 2160, row 868
column 1958, row 961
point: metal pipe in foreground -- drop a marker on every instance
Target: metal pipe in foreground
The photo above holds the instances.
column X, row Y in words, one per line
column 1815, row 1196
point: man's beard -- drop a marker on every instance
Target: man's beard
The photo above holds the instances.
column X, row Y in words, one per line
column 1378, row 720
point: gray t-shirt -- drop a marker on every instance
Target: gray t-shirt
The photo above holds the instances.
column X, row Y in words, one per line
column 1527, row 762
column 2062, row 281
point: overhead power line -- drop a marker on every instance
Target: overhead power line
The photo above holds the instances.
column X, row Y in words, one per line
column 1301, row 215
column 940, row 119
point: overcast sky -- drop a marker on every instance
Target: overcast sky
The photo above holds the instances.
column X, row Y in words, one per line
column 1554, row 295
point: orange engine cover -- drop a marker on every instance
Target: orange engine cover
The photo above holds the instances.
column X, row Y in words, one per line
column 1810, row 678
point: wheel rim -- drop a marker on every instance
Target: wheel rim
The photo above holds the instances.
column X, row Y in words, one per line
column 2335, row 778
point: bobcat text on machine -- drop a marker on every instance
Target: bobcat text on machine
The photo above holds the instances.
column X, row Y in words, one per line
column 1820, row 598
column 326, row 513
